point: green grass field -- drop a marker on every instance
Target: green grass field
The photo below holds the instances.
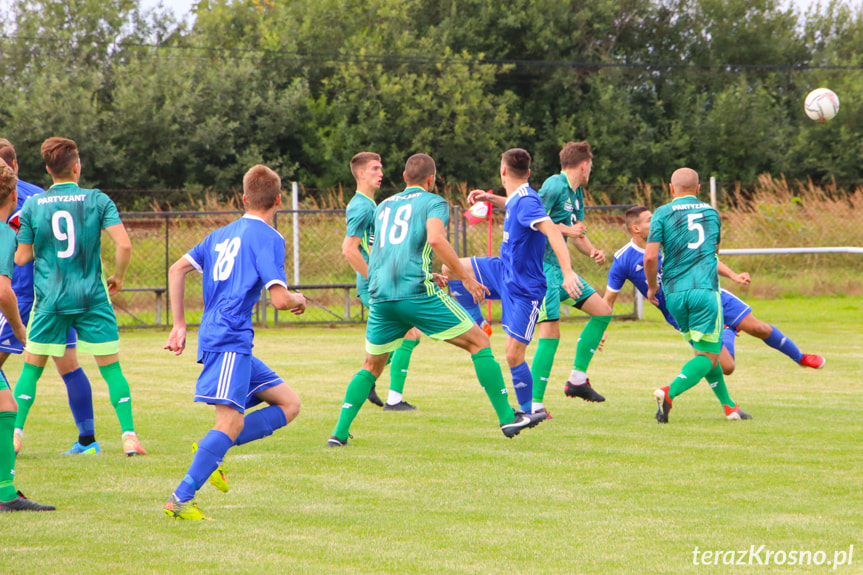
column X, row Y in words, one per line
column 602, row 488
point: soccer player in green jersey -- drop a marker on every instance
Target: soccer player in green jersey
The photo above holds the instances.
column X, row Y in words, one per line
column 409, row 226
column 62, row 230
column 563, row 198
column 359, row 238
column 689, row 231
column 10, row 498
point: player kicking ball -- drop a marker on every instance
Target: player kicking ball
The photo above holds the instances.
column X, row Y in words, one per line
column 737, row 315
column 409, row 226
column 688, row 231
column 517, row 277
column 237, row 261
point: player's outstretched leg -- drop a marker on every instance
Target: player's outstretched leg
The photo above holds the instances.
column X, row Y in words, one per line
column 716, row 380
column 463, row 297
column 694, row 370
column 771, row 335
column 578, row 384
column 355, row 395
column 540, row 370
column 121, row 399
column 401, row 359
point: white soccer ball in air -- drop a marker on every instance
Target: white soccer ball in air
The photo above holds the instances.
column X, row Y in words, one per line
column 821, row 104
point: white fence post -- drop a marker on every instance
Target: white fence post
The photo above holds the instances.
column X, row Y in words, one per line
column 713, row 191
column 295, row 203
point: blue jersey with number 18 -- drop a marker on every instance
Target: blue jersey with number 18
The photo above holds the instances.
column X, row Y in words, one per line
column 237, row 261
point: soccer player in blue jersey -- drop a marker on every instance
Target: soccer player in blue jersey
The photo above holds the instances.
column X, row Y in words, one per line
column 77, row 384
column 409, row 227
column 236, row 261
column 517, row 277
column 356, row 247
column 10, row 498
column 688, row 232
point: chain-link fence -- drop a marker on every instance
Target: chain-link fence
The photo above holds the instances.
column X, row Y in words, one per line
column 314, row 261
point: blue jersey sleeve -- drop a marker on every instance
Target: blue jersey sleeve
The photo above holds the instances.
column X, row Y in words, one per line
column 530, row 211
column 270, row 262
column 197, row 255
column 617, row 275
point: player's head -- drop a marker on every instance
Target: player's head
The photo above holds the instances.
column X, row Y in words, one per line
column 420, row 170
column 8, row 155
column 8, row 185
column 61, row 158
column 368, row 170
column 684, row 182
column 638, row 222
column 577, row 156
column 262, row 188
column 515, row 164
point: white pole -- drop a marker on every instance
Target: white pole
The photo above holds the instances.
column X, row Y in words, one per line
column 639, row 305
column 295, row 203
column 713, row 191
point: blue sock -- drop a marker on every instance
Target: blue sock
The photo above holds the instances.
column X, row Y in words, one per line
column 522, row 381
column 80, row 401
column 728, row 338
column 778, row 341
column 463, row 297
column 261, row 423
column 211, row 451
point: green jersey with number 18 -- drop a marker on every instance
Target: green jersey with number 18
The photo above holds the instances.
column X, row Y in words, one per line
column 65, row 227
column 401, row 258
column 689, row 232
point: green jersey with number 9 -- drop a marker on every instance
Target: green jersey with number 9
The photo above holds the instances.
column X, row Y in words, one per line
column 65, row 227
column 689, row 232
column 400, row 265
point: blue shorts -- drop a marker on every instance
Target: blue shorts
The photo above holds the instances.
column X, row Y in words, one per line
column 520, row 313
column 10, row 344
column 734, row 309
column 231, row 378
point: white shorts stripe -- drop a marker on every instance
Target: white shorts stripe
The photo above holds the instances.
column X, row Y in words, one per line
column 225, row 375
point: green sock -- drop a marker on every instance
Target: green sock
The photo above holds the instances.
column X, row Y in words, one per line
column 355, row 397
column 25, row 391
column 540, row 369
column 695, row 369
column 717, row 383
column 401, row 359
column 7, row 456
column 589, row 340
column 121, row 397
column 491, row 379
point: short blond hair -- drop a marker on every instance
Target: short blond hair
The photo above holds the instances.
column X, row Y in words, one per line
column 361, row 160
column 261, row 186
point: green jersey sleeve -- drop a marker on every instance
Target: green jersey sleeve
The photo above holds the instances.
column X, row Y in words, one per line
column 108, row 209
column 554, row 195
column 25, row 225
column 8, row 243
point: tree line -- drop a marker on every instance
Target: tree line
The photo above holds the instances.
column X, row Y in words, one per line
column 156, row 102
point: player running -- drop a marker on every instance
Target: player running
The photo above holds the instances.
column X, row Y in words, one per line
column 237, row 261
column 516, row 277
column 62, row 230
column 409, row 226
column 688, row 231
column 738, row 316
column 10, row 498
column 359, row 237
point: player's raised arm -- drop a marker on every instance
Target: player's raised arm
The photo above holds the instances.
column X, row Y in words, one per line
column 436, row 237
column 177, row 287
column 571, row 283
column 725, row 271
column 483, row 196
column 582, row 244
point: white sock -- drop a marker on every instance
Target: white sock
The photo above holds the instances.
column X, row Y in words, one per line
column 19, row 432
column 394, row 398
column 132, row 433
column 577, row 377
column 536, row 406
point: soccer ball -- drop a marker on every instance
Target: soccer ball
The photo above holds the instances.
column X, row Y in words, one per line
column 821, row 104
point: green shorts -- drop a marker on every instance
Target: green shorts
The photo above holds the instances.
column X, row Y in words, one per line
column 438, row 316
column 555, row 295
column 97, row 332
column 698, row 313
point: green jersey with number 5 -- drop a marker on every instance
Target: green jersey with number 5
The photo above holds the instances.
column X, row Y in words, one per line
column 400, row 265
column 65, row 227
column 689, row 232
